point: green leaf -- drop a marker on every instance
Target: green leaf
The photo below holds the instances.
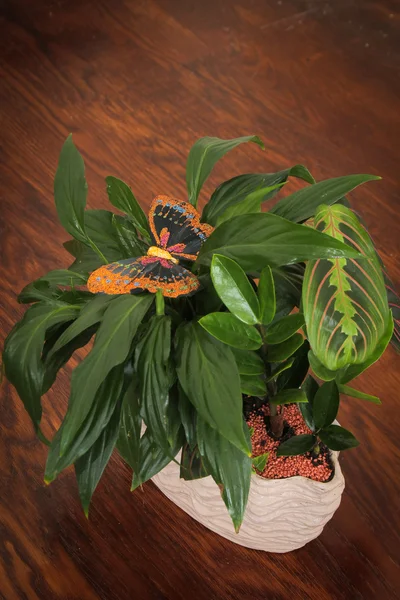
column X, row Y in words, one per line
column 90, row 466
column 153, row 458
column 280, row 352
column 260, row 461
column 229, row 330
column 62, row 277
column 234, row 289
column 344, row 300
column 229, row 467
column 254, row 241
column 209, row 377
column 91, row 427
column 338, row 438
column 154, row 376
column 326, row 404
column 248, row 363
column 319, row 369
column 355, row 370
column 294, row 376
column 127, row 238
column 121, row 196
column 310, row 388
column 23, row 348
column 111, row 347
column 298, row 444
column 188, row 417
column 128, row 443
column 250, row 204
column 288, row 397
column 38, row 290
column 288, row 282
column 70, row 190
column 349, row 391
column 192, row 465
column 110, row 239
column 90, row 314
column 86, row 259
column 266, row 296
column 235, row 190
column 284, row 328
column 279, row 368
column 253, row 385
column 303, row 204
column 202, row 158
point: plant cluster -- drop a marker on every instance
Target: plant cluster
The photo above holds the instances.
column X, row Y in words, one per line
column 298, row 286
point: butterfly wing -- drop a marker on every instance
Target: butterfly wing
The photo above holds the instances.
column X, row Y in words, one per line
column 132, row 276
column 175, row 226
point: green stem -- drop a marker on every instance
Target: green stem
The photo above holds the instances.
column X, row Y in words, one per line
column 97, row 250
column 160, row 304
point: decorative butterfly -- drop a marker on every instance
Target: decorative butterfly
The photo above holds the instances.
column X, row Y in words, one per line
column 176, row 234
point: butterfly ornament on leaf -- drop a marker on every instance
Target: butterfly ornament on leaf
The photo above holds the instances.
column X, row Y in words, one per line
column 177, row 234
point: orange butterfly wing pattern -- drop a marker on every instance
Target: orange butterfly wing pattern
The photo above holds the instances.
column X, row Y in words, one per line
column 177, row 234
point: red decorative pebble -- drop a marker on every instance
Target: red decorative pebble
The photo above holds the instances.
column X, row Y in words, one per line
column 280, row 467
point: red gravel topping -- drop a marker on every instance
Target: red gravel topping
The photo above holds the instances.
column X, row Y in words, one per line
column 307, row 465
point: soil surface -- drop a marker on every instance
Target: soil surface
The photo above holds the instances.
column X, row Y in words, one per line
column 317, row 467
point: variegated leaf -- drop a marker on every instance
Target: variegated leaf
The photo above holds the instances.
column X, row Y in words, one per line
column 344, row 300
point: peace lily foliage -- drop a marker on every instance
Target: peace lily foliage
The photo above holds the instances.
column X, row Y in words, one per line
column 298, row 286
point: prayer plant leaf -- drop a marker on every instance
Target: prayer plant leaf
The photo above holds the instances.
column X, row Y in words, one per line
column 303, row 204
column 234, row 289
column 231, row 331
column 111, row 347
column 235, row 190
column 209, row 376
column 344, row 300
column 349, row 391
column 229, row 467
column 23, row 347
column 203, row 156
column 254, row 241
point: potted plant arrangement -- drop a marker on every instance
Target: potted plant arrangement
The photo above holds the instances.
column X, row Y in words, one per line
column 202, row 330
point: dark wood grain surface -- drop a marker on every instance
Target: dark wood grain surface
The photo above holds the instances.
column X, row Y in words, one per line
column 137, row 82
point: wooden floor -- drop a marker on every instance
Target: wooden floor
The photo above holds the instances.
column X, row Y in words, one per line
column 137, row 82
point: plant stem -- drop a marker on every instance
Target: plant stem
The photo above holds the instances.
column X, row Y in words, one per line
column 275, row 418
column 97, row 250
column 160, row 304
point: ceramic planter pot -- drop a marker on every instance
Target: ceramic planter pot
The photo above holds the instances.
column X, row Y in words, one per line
column 281, row 514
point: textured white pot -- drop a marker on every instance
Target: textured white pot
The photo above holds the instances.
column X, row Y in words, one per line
column 281, row 514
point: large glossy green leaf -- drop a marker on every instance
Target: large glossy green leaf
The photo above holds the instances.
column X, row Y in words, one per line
column 248, row 363
column 253, row 385
column 310, row 387
column 280, row 352
column 128, row 443
column 98, row 416
column 202, row 157
column 90, row 466
column 154, row 378
column 303, row 204
column 349, row 391
column 338, row 438
column 70, row 190
column 266, row 296
column 326, row 404
column 90, row 314
column 235, row 190
column 23, row 349
column 234, row 289
column 153, row 458
column 255, row 241
column 209, row 377
column 284, row 328
column 229, row 467
column 288, row 397
column 113, row 340
column 230, row 330
column 121, row 196
column 298, row 444
column 250, row 204
column 344, row 300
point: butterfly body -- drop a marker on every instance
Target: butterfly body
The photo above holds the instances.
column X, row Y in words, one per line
column 176, row 234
